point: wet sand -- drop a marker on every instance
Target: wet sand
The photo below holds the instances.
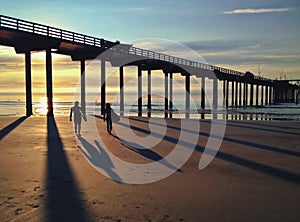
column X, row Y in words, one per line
column 44, row 175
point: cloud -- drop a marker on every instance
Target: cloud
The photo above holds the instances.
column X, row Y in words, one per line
column 253, row 58
column 257, row 11
column 133, row 9
column 239, row 50
column 170, row 48
column 222, row 45
column 243, row 55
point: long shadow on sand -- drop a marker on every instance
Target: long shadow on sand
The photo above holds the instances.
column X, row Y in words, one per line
column 246, row 126
column 6, row 130
column 273, row 171
column 147, row 153
column 263, row 124
column 232, row 140
column 63, row 197
column 98, row 157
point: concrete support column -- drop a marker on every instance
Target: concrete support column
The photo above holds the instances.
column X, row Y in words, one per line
column 267, row 98
column 103, row 86
column 251, row 94
column 28, row 83
column 121, row 73
column 232, row 93
column 187, row 95
column 140, row 98
column 171, row 96
column 277, row 94
column 82, row 81
column 149, row 93
column 202, row 97
column 262, row 95
column 294, row 95
column 227, row 94
column 240, row 94
column 224, row 92
column 246, row 91
column 236, row 94
column 166, row 95
column 270, row 95
column 49, row 83
column 257, row 92
column 215, row 96
column 244, row 94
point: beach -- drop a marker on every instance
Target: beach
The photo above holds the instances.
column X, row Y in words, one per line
column 45, row 175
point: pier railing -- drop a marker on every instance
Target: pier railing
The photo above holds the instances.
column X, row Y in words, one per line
column 61, row 34
column 35, row 28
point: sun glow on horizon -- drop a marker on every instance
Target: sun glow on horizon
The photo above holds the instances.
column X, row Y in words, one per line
column 41, row 106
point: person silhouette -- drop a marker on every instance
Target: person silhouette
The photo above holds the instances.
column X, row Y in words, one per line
column 107, row 117
column 78, row 115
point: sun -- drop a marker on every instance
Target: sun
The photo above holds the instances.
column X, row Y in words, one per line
column 41, row 105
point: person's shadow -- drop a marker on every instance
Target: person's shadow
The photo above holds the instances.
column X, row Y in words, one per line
column 98, row 157
column 147, row 153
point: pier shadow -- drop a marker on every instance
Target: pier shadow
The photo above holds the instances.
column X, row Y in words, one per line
column 228, row 139
column 243, row 124
column 147, row 153
column 263, row 168
column 248, row 126
column 6, row 130
column 262, row 124
column 99, row 158
column 63, row 197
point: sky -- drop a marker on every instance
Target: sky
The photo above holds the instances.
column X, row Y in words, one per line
column 261, row 36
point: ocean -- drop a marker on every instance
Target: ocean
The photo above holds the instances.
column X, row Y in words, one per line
column 286, row 111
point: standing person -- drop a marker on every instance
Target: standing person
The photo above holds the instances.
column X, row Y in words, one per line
column 107, row 117
column 78, row 115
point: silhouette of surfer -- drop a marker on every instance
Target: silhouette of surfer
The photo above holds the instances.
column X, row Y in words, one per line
column 78, row 115
column 107, row 117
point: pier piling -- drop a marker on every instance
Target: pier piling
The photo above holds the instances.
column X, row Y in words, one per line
column 28, row 83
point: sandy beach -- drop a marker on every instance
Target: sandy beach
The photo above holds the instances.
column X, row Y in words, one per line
column 45, row 176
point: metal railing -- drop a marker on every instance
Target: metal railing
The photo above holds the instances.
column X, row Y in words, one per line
column 35, row 28
column 44, row 30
